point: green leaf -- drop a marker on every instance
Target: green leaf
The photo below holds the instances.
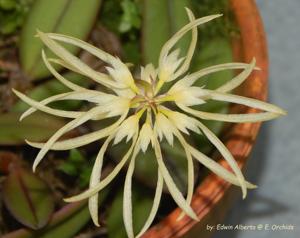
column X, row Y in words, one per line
column 84, row 177
column 7, row 4
column 131, row 51
column 77, row 165
column 65, row 223
column 54, row 87
column 161, row 19
column 76, row 156
column 141, row 204
column 130, row 18
column 28, row 198
column 68, row 226
column 68, row 168
column 69, row 17
column 37, row 127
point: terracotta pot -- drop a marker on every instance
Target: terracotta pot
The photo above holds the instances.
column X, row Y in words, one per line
column 213, row 196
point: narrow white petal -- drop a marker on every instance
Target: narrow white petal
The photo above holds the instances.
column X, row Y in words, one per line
column 75, row 62
column 174, row 191
column 236, row 118
column 104, row 56
column 171, row 42
column 211, row 164
column 64, row 65
column 95, row 178
column 238, row 80
column 123, row 74
column 191, row 176
column 192, row 78
column 155, row 206
column 86, row 95
column 37, row 105
column 81, row 140
column 58, row 76
column 127, row 197
column 186, row 64
column 69, row 126
column 227, row 156
column 92, row 191
column 217, row 168
column 250, row 102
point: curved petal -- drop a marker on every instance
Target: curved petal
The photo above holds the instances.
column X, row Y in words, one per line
column 87, row 95
column 227, row 156
column 211, row 164
column 127, row 197
column 217, row 168
column 95, row 178
column 164, row 73
column 239, row 79
column 236, row 118
column 155, row 206
column 191, row 176
column 92, row 191
column 119, row 66
column 69, row 126
column 186, row 64
column 81, row 140
column 174, row 191
column 171, row 42
column 192, row 78
column 75, row 62
column 250, row 102
column 58, row 76
column 40, row 106
column 64, row 65
column 104, row 56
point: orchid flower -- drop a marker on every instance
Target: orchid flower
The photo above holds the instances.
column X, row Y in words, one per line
column 145, row 114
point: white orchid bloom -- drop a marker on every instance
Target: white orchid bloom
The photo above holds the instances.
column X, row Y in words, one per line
column 129, row 98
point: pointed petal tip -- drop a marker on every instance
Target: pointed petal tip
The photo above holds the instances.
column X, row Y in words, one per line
column 251, row 185
column 66, row 200
column 70, row 199
column 244, row 191
column 15, row 91
column 38, row 33
column 30, row 143
column 22, row 117
column 188, row 10
column 280, row 112
column 43, row 53
column 96, row 222
column 196, row 218
column 283, row 112
column 257, row 68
